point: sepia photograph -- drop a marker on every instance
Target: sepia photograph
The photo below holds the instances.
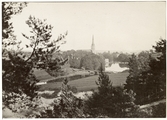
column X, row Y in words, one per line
column 83, row 59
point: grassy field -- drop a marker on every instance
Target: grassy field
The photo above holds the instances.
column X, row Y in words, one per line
column 42, row 75
column 88, row 83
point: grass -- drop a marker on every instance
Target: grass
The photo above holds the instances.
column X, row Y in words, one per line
column 42, row 75
column 88, row 83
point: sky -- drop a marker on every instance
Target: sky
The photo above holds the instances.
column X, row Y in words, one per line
column 116, row 26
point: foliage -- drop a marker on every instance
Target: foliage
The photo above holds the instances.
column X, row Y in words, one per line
column 18, row 76
column 54, row 94
column 147, row 74
column 43, row 46
column 74, row 57
column 8, row 10
column 17, row 68
column 21, row 103
column 123, row 57
column 111, row 56
column 156, row 111
column 133, row 73
column 159, row 111
column 19, row 88
column 65, row 106
column 57, row 72
column 16, row 73
column 110, row 101
column 92, row 62
column 143, row 113
column 143, row 60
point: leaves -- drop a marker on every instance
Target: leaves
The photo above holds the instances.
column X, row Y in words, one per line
column 92, row 62
column 147, row 74
column 17, row 75
column 27, row 46
column 65, row 106
column 25, row 36
column 9, row 9
column 110, row 101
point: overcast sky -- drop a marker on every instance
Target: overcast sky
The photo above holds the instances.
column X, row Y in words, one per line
column 115, row 25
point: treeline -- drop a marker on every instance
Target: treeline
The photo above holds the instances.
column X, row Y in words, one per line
column 86, row 59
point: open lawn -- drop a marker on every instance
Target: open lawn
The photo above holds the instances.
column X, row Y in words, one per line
column 88, row 83
column 42, row 75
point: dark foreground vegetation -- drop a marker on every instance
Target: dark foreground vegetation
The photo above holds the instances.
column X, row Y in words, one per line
column 145, row 83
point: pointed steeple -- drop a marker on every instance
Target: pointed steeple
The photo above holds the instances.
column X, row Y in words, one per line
column 93, row 40
column 93, row 45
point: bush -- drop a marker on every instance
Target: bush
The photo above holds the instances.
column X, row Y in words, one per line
column 159, row 111
column 73, row 89
column 22, row 104
column 65, row 106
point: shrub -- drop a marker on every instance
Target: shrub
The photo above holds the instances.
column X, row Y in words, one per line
column 65, row 106
column 73, row 89
column 159, row 110
column 22, row 104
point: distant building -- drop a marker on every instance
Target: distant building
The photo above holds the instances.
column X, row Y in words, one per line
column 107, row 63
column 93, row 46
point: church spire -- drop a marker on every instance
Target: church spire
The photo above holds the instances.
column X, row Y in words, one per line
column 93, row 40
column 93, row 45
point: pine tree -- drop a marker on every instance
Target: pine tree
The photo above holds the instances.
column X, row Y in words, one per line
column 156, row 79
column 148, row 78
column 110, row 101
column 17, row 68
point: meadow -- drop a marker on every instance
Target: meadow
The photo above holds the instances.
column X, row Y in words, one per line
column 87, row 83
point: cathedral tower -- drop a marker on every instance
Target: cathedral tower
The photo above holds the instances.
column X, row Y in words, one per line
column 93, row 46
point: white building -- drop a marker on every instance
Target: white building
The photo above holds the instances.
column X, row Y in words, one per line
column 107, row 63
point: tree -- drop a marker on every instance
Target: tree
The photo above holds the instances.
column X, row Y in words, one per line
column 92, row 62
column 17, row 68
column 133, row 73
column 65, row 106
column 18, row 81
column 123, row 58
column 16, row 74
column 107, row 55
column 147, row 74
column 110, row 101
column 156, row 79
column 144, row 59
column 159, row 111
column 8, row 10
column 74, row 57
column 42, row 45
